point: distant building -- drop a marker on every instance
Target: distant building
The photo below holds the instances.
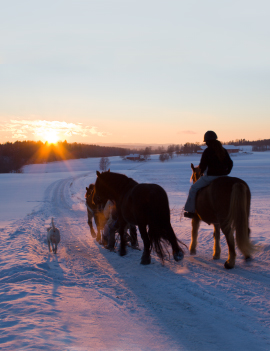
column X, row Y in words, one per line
column 134, row 157
column 230, row 148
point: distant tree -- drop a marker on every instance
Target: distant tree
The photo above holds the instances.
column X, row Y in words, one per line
column 190, row 148
column 160, row 149
column 104, row 163
column 260, row 147
column 147, row 152
column 177, row 149
column 170, row 150
column 164, row 157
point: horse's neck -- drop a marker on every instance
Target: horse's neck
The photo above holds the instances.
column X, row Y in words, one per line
column 89, row 201
column 122, row 186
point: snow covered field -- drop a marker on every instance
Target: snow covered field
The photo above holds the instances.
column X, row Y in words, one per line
column 87, row 298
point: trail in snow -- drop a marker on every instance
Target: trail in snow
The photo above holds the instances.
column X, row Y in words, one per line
column 87, row 298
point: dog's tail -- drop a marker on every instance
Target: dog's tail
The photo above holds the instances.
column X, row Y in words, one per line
column 52, row 224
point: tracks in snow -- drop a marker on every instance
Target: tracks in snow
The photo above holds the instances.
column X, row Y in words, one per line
column 188, row 303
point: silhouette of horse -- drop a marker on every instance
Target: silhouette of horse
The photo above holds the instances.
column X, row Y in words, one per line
column 225, row 203
column 94, row 211
column 144, row 205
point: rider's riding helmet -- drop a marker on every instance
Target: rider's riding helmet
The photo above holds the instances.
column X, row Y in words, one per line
column 209, row 135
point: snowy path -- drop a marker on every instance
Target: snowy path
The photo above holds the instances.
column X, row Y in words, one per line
column 87, row 298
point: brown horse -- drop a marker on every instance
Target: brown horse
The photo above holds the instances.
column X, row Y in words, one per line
column 225, row 203
column 94, row 211
column 144, row 205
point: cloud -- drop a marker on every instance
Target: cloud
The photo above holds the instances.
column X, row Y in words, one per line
column 186, row 132
column 26, row 129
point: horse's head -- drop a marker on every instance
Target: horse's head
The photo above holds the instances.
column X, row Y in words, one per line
column 101, row 190
column 89, row 190
column 196, row 173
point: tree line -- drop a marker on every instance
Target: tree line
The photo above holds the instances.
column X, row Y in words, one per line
column 179, row 149
column 13, row 156
column 257, row 145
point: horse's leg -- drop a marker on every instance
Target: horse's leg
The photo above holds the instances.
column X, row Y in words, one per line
column 231, row 247
column 146, row 257
column 133, row 235
column 90, row 216
column 98, row 238
column 248, row 257
column 90, row 223
column 194, row 234
column 111, row 239
column 216, row 235
column 122, row 249
column 92, row 231
column 49, row 246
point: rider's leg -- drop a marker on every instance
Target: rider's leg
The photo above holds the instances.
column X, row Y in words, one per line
column 201, row 183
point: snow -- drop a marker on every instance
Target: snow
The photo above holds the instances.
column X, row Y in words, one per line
column 87, row 298
column 227, row 147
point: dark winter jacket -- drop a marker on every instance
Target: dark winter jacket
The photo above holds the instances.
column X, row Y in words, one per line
column 214, row 166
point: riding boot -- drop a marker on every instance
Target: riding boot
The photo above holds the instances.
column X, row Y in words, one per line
column 189, row 214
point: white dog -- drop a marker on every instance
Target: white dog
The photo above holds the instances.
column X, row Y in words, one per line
column 53, row 237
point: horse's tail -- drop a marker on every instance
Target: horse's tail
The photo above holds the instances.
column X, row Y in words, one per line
column 160, row 236
column 155, row 237
column 238, row 217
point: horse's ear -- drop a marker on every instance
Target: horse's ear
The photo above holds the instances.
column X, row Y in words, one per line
column 109, row 170
column 98, row 173
column 192, row 167
column 86, row 189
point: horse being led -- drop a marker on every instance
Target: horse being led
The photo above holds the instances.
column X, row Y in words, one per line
column 144, row 205
column 225, row 203
column 94, row 211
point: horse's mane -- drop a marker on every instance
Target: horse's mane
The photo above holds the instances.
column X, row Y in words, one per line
column 191, row 177
column 118, row 179
column 89, row 192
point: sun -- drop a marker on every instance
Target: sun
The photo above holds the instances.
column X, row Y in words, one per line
column 51, row 136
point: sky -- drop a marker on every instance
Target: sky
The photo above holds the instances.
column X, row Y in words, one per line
column 124, row 71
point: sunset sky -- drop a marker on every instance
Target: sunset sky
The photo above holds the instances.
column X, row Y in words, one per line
column 134, row 71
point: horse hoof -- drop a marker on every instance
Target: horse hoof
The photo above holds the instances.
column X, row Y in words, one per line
column 248, row 258
column 93, row 234
column 192, row 252
column 145, row 260
column 227, row 265
column 216, row 257
column 178, row 256
column 110, row 247
column 122, row 252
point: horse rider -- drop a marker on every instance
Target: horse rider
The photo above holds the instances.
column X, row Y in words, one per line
column 215, row 162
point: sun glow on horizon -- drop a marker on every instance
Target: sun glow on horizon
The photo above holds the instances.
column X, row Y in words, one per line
column 50, row 131
column 51, row 136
